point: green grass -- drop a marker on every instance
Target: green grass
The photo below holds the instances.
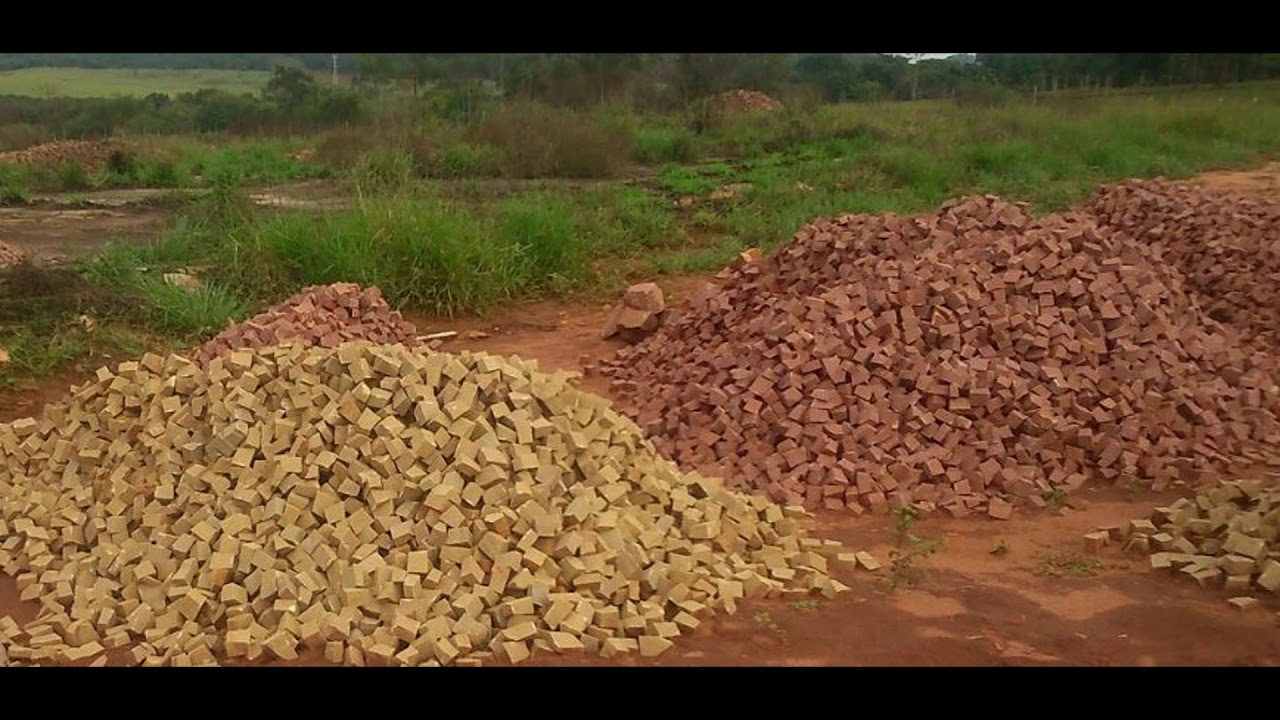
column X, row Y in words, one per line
column 39, row 350
column 89, row 82
column 695, row 260
column 663, row 143
column 422, row 250
column 173, row 162
column 197, row 313
column 46, row 345
column 178, row 162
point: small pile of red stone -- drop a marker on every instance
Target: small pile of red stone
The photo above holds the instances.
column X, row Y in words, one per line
column 10, row 255
column 746, row 101
column 323, row 315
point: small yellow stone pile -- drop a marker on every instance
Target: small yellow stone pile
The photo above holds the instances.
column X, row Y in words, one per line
column 1225, row 537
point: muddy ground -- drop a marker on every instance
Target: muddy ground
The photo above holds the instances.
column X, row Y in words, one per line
column 53, row 228
column 1016, row 592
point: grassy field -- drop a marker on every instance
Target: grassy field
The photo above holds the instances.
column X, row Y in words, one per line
column 437, row 233
column 87, row 82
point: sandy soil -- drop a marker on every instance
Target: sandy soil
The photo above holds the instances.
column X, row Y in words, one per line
column 1264, row 180
column 1016, row 592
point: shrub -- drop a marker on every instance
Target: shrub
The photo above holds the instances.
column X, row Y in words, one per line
column 72, row 177
column 540, row 141
column 662, row 144
column 385, row 169
column 466, row 160
column 161, row 174
column 982, row 94
column 123, row 163
column 343, row 148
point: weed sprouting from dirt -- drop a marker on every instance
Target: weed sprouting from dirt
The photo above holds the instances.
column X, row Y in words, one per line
column 909, row 549
column 1056, row 497
column 804, row 604
column 904, row 518
column 766, row 622
column 1000, row 549
column 1068, row 564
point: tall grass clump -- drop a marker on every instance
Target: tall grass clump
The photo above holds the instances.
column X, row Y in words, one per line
column 422, row 251
column 547, row 247
column 72, row 177
column 465, row 160
column 623, row 221
column 541, row 141
column 384, row 170
column 38, row 349
column 200, row 312
column 652, row 144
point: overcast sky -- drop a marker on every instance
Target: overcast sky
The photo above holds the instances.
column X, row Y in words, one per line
column 931, row 56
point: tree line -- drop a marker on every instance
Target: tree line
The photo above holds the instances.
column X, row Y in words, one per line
column 1050, row 71
column 293, row 100
column 177, row 61
column 300, row 98
column 580, row 78
column 673, row 78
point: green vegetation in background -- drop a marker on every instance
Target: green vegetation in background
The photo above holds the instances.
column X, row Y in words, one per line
column 446, row 250
column 70, row 82
column 168, row 163
column 287, row 102
column 451, row 247
column 933, row 148
column 174, row 61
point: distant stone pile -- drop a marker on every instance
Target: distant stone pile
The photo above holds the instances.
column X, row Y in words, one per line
column 746, row 101
column 10, row 255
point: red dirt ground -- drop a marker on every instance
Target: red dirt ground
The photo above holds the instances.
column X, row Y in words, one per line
column 986, row 597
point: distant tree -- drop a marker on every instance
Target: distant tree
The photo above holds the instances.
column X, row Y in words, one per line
column 290, row 88
column 916, row 59
column 378, row 68
column 421, row 67
column 832, row 73
column 608, row 72
column 527, row 73
column 157, row 100
column 704, row 73
column 764, row 72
